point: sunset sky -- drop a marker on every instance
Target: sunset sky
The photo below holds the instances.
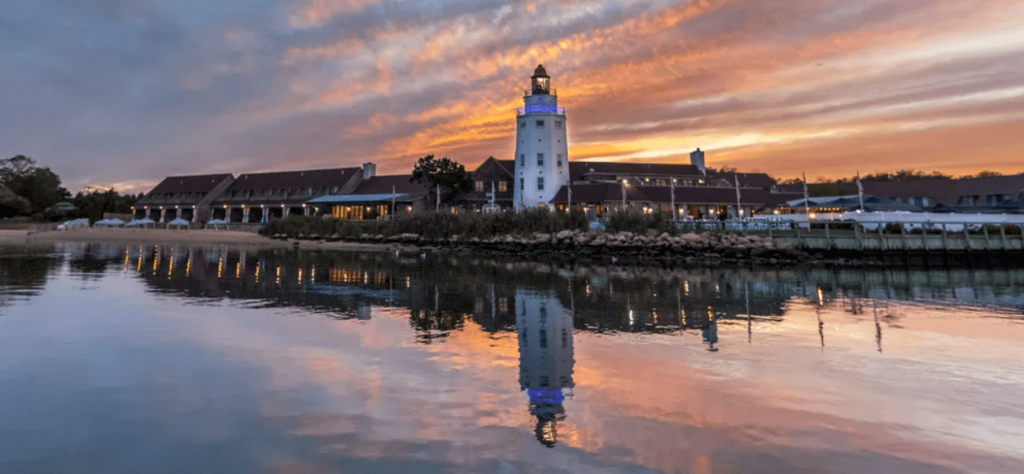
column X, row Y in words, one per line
column 124, row 92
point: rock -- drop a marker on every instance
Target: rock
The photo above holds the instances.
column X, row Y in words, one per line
column 651, row 233
column 302, row 236
column 564, row 235
column 691, row 238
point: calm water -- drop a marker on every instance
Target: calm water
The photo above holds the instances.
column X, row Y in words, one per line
column 211, row 360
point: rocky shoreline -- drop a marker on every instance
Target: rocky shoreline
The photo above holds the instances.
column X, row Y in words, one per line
column 621, row 247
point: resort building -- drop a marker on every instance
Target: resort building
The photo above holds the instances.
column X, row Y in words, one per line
column 943, row 194
column 376, row 197
column 280, row 194
column 187, row 197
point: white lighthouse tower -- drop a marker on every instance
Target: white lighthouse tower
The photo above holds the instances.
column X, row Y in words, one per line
column 542, row 151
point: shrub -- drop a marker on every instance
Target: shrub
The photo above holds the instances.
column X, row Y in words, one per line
column 893, row 228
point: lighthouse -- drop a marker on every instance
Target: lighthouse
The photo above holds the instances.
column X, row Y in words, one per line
column 542, row 151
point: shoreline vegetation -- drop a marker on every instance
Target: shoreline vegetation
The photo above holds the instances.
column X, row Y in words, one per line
column 628, row 238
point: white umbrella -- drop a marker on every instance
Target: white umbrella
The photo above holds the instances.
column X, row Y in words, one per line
column 216, row 222
column 178, row 223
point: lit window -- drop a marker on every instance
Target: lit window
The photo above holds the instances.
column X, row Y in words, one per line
column 558, row 124
column 478, row 186
column 540, row 123
column 559, row 157
column 503, row 303
column 540, row 159
column 502, row 186
column 540, row 183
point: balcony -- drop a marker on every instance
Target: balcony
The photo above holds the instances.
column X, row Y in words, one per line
column 552, row 92
column 540, row 109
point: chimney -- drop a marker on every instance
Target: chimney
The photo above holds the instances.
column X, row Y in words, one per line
column 697, row 160
column 369, row 170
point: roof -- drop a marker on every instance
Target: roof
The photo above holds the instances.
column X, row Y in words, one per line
column 935, row 187
column 753, row 180
column 388, row 184
column 293, row 179
column 350, row 198
column 506, row 166
column 578, row 169
column 1012, row 185
column 189, row 184
column 946, row 190
column 509, row 165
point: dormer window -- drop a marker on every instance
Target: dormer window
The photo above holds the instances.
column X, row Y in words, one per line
column 540, row 123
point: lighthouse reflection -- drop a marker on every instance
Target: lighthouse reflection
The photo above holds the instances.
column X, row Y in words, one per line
column 546, row 359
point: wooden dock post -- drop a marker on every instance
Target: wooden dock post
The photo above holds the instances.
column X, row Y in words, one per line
column 857, row 236
column 881, row 237
column 924, row 238
column 945, row 242
column 1002, row 237
column 828, row 238
column 984, row 230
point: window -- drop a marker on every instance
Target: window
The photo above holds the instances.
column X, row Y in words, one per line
column 522, row 184
column 540, row 159
column 522, row 124
column 502, row 186
column 540, row 123
column 559, row 160
column 558, row 124
column 478, row 186
column 540, row 183
column 522, row 160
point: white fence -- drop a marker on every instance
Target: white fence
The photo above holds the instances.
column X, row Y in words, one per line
column 910, row 220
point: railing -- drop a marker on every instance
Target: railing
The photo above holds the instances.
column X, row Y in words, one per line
column 881, row 236
column 540, row 109
column 551, row 92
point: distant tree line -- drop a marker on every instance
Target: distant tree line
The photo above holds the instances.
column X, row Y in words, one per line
column 29, row 190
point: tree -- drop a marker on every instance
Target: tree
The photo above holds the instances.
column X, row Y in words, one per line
column 983, row 174
column 13, row 205
column 94, row 204
column 39, row 186
column 448, row 174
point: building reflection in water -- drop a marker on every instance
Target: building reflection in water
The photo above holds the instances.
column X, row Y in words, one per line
column 541, row 303
column 546, row 359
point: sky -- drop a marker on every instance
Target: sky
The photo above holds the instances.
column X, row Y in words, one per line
column 125, row 92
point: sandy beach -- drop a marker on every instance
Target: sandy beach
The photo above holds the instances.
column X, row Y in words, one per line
column 167, row 236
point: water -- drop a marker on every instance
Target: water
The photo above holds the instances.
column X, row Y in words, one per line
column 143, row 359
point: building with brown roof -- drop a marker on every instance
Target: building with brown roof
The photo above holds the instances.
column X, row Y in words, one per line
column 495, row 176
column 694, row 201
column 376, row 197
column 187, row 197
column 283, row 193
column 982, row 194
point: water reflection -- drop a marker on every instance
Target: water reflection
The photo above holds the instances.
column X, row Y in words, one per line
column 546, row 359
column 607, row 338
